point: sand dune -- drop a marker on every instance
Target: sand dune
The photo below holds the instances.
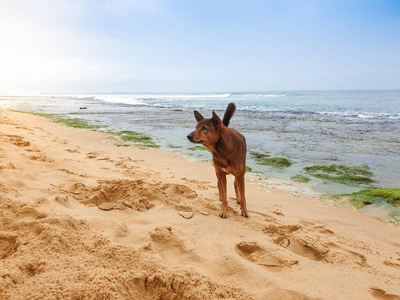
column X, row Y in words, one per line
column 83, row 219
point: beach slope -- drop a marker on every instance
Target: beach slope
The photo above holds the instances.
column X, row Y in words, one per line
column 83, row 219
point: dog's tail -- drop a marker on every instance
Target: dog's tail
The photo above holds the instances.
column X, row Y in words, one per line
column 230, row 111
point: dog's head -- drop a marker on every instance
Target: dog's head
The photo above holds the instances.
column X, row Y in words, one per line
column 207, row 130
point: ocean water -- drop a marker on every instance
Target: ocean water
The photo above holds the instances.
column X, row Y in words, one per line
column 307, row 127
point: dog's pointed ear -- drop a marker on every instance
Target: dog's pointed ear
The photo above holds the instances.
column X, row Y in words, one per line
column 198, row 116
column 216, row 120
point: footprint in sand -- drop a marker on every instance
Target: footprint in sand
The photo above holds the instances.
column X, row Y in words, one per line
column 260, row 256
column 168, row 243
column 344, row 256
column 63, row 200
column 186, row 214
column 308, row 243
column 92, row 154
column 392, row 264
column 382, row 294
column 184, row 211
column 279, row 233
column 18, row 141
column 72, row 150
column 304, row 246
column 121, row 165
column 41, row 158
column 67, row 171
column 33, row 150
column 278, row 212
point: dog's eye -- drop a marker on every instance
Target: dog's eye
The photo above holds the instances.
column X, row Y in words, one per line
column 204, row 128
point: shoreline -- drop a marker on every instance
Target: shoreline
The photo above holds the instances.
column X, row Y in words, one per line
column 297, row 127
column 345, row 178
column 58, row 184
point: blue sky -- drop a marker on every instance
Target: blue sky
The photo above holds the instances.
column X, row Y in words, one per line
column 198, row 46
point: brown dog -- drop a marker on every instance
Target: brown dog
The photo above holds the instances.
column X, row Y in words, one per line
column 228, row 148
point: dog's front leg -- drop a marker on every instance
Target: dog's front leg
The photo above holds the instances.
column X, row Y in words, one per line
column 222, row 194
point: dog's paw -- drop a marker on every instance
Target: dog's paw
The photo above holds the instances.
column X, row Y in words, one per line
column 223, row 215
column 245, row 214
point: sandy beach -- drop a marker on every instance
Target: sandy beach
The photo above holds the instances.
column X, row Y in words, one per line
column 83, row 219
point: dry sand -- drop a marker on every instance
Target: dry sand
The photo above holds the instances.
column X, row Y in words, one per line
column 83, row 219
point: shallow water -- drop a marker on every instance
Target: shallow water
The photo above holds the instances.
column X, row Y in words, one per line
column 382, row 210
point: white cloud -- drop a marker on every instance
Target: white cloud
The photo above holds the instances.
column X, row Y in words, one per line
column 34, row 47
column 44, row 47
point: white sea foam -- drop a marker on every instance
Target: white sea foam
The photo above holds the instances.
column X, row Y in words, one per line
column 324, row 104
column 157, row 99
column 255, row 95
column 166, row 96
column 360, row 115
column 128, row 99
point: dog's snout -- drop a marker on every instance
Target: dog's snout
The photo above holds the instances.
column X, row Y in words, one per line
column 190, row 137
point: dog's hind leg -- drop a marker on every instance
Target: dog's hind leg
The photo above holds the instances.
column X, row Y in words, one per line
column 237, row 192
column 222, row 194
column 240, row 195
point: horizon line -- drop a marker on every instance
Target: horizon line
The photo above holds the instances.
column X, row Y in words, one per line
column 187, row 92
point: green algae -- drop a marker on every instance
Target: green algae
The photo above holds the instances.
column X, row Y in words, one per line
column 76, row 123
column 345, row 179
column 349, row 175
column 258, row 155
column 71, row 122
column 300, row 178
column 174, row 146
column 136, row 138
column 194, row 148
column 248, row 169
column 341, row 169
column 372, row 196
column 393, row 218
column 265, row 160
column 277, row 162
column 127, row 137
